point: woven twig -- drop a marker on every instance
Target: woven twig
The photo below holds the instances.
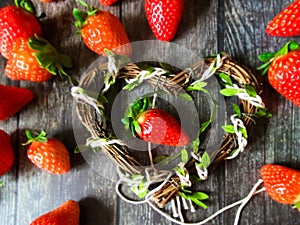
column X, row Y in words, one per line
column 121, row 154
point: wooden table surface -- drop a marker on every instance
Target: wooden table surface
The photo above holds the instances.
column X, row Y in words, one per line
column 207, row 27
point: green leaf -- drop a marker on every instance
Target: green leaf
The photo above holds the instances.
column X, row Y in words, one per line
column 186, row 96
column 195, row 145
column 130, row 86
column 37, row 44
column 261, row 112
column 199, row 195
column 250, row 90
column 137, row 127
column 237, row 110
column 228, row 129
column 49, row 58
column 160, row 158
column 225, row 78
column 40, row 137
column 65, row 60
column 166, row 66
column 44, row 59
column 1, row 184
column 244, row 132
column 204, row 125
column 197, row 86
column 228, row 92
column 196, row 198
column 80, row 149
column 179, row 170
column 264, row 67
column 293, row 46
column 266, row 56
column 205, row 160
column 27, row 5
column 184, row 155
column 297, row 206
column 199, row 203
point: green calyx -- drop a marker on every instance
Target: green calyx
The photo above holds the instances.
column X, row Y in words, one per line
column 27, row 5
column 297, row 206
column 49, row 58
column 40, row 137
column 267, row 57
column 81, row 16
column 133, row 112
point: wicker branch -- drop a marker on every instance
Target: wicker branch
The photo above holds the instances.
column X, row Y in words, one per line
column 120, row 154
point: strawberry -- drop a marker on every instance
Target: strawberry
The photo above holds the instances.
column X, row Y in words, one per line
column 283, row 68
column 6, row 153
column 15, row 22
column 108, row 2
column 163, row 17
column 65, row 214
column 12, row 100
column 50, row 154
column 287, row 22
column 154, row 125
column 102, row 30
column 282, row 184
column 35, row 60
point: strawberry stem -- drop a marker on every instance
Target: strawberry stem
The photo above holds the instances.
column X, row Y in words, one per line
column 132, row 113
column 268, row 57
column 81, row 16
column 27, row 5
column 297, row 206
column 40, row 137
column 49, row 58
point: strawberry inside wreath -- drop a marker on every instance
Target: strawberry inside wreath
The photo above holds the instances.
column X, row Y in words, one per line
column 154, row 125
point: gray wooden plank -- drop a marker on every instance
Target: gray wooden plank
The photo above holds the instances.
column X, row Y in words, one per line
column 195, row 34
column 245, row 38
column 234, row 26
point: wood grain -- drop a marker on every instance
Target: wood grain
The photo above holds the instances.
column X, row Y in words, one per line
column 207, row 27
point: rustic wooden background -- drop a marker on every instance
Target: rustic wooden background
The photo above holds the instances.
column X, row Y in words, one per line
column 208, row 26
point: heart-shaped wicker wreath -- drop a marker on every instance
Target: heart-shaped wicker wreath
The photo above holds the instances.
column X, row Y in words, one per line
column 156, row 188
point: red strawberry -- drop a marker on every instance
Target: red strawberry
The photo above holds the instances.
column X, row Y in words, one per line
column 155, row 125
column 108, row 2
column 102, row 30
column 283, row 69
column 163, row 17
column 48, row 154
column 65, row 214
column 6, row 153
column 287, row 22
column 16, row 22
column 282, row 184
column 12, row 100
column 35, row 60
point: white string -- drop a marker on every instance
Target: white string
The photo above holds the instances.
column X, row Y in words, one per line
column 100, row 142
column 80, row 93
column 125, row 199
column 247, row 199
column 241, row 202
column 179, row 208
column 242, row 94
column 145, row 75
column 218, row 62
column 184, row 179
column 242, row 141
column 202, row 173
